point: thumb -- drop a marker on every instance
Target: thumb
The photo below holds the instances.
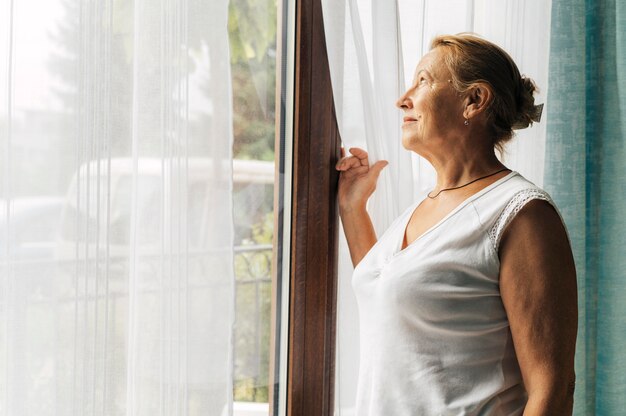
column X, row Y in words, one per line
column 378, row 167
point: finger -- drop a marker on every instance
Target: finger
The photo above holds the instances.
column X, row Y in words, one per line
column 360, row 154
column 378, row 167
column 361, row 170
column 348, row 163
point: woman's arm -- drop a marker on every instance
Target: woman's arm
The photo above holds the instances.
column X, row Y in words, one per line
column 359, row 231
column 538, row 288
column 357, row 182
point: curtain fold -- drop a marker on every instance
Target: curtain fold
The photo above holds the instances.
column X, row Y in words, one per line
column 116, row 264
column 373, row 48
column 585, row 173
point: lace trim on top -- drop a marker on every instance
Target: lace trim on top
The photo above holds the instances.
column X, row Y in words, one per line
column 512, row 208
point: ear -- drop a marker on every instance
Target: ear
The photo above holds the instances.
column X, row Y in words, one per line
column 477, row 100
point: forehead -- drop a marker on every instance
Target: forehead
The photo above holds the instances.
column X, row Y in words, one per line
column 434, row 63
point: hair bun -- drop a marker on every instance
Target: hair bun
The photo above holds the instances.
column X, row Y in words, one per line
column 527, row 112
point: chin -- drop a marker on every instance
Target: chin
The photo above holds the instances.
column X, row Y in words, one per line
column 408, row 144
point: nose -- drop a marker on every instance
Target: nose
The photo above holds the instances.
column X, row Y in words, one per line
column 404, row 102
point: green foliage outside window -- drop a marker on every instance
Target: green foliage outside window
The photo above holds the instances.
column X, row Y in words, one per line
column 253, row 315
column 252, row 30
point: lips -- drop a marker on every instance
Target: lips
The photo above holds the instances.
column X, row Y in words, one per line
column 409, row 119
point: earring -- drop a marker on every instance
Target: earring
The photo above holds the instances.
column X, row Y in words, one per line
column 466, row 122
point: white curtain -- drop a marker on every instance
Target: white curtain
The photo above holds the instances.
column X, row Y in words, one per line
column 116, row 276
column 373, row 47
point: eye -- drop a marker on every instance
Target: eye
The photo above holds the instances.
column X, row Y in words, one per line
column 421, row 81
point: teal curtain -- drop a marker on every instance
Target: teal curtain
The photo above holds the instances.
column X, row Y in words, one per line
column 585, row 172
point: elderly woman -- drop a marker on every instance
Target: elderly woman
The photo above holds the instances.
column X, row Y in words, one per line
column 468, row 301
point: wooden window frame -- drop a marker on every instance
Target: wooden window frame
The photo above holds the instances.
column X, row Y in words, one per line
column 314, row 225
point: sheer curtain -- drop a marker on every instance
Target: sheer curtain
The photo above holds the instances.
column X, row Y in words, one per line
column 373, row 48
column 116, row 281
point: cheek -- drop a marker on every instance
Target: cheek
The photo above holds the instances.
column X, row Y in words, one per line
column 447, row 106
column 431, row 106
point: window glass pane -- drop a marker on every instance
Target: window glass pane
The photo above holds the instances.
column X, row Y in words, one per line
column 252, row 29
column 118, row 275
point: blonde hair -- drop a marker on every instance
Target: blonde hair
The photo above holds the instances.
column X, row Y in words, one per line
column 471, row 59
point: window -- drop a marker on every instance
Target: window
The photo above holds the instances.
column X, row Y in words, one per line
column 304, row 264
column 253, row 30
column 112, row 195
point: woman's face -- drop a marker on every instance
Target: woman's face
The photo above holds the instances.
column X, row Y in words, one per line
column 433, row 109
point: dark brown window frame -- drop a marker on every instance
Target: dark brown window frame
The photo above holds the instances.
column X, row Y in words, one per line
column 310, row 380
column 314, row 224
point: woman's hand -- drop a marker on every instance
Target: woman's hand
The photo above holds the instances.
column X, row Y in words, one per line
column 357, row 180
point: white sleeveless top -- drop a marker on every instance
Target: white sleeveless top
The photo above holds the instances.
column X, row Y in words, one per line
column 435, row 338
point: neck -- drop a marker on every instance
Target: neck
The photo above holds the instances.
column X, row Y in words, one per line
column 461, row 167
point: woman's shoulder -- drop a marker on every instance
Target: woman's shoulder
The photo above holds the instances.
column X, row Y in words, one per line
column 521, row 191
column 510, row 201
column 519, row 182
column 513, row 189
